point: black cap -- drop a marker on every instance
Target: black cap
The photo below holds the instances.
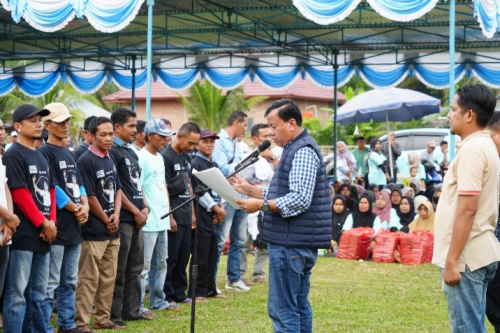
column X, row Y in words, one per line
column 27, row 111
column 86, row 124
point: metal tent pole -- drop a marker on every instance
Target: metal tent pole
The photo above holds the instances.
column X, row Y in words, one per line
column 133, row 81
column 452, row 68
column 335, row 107
column 150, row 58
column 389, row 145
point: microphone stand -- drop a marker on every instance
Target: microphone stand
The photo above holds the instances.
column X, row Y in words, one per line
column 200, row 191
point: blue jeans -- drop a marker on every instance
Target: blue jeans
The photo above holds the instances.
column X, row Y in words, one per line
column 467, row 299
column 155, row 265
column 27, row 279
column 63, row 275
column 289, row 281
column 235, row 226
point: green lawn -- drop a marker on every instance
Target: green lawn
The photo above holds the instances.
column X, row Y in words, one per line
column 346, row 296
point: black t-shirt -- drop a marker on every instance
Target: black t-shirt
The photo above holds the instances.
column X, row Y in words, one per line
column 130, row 180
column 204, row 222
column 27, row 168
column 100, row 179
column 176, row 164
column 82, row 148
column 66, row 175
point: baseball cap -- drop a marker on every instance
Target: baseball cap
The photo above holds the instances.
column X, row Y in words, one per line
column 206, row 133
column 86, row 124
column 27, row 111
column 58, row 112
column 157, row 126
column 13, row 133
column 432, row 144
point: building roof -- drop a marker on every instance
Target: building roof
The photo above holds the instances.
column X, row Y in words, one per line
column 300, row 89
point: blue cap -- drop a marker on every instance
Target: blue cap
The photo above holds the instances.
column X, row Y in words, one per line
column 157, row 126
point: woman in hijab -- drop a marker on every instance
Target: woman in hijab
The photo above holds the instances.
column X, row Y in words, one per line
column 346, row 163
column 355, row 192
column 388, row 217
column 339, row 217
column 363, row 217
column 407, row 192
column 361, row 190
column 351, row 204
column 418, row 201
column 406, row 214
column 416, row 186
column 395, row 195
column 425, row 220
column 377, row 171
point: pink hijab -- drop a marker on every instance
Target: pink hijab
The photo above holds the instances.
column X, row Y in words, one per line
column 384, row 214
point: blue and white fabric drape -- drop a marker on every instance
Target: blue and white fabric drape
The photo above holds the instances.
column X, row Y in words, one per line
column 487, row 13
column 325, row 12
column 332, row 11
column 275, row 72
column 53, row 15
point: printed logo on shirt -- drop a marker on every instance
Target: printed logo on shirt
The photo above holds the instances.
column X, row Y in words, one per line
column 42, row 190
column 100, row 174
column 127, row 161
column 72, row 186
column 177, row 167
column 108, row 189
column 135, row 178
column 62, row 165
column 33, row 169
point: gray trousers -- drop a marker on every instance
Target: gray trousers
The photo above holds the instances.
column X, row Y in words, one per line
column 260, row 261
column 127, row 293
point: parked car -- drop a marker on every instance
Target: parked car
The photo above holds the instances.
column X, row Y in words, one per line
column 411, row 140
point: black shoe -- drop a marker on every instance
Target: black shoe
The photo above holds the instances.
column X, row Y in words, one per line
column 119, row 323
column 73, row 330
column 140, row 317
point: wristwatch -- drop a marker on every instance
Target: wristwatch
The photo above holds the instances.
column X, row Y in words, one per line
column 265, row 206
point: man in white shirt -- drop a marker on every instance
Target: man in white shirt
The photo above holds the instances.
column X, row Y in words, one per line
column 259, row 174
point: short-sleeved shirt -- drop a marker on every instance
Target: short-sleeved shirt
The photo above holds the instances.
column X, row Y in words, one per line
column 375, row 173
column 155, row 190
column 28, row 168
column 130, row 178
column 204, row 224
column 66, row 175
column 360, row 160
column 474, row 171
column 100, row 179
column 176, row 164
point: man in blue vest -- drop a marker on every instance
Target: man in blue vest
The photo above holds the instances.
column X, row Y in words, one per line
column 297, row 217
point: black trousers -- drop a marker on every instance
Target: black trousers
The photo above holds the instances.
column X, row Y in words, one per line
column 179, row 249
column 127, row 293
column 4, row 263
column 207, row 264
column 493, row 301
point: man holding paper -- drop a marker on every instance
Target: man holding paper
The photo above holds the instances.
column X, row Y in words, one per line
column 297, row 217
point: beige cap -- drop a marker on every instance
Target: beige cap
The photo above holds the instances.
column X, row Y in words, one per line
column 431, row 144
column 58, row 112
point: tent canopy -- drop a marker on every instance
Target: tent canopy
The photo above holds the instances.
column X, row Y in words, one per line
column 228, row 41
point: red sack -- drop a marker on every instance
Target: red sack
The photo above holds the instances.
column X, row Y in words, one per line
column 417, row 247
column 355, row 244
column 386, row 243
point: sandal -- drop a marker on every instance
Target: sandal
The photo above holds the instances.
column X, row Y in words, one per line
column 187, row 301
column 173, row 306
column 147, row 314
column 108, row 326
column 201, row 300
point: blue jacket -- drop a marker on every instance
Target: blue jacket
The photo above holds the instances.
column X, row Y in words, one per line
column 311, row 229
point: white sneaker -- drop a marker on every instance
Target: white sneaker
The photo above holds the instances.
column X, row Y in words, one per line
column 218, row 290
column 237, row 286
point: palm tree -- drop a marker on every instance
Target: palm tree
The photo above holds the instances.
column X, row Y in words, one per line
column 63, row 93
column 209, row 107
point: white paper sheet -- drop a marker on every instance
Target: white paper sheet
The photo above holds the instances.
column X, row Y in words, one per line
column 214, row 179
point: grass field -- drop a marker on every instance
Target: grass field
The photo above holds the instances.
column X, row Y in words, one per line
column 346, row 296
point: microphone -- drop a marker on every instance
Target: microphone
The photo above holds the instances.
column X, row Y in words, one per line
column 256, row 152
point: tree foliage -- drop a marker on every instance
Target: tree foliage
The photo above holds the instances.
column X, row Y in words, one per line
column 210, row 107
